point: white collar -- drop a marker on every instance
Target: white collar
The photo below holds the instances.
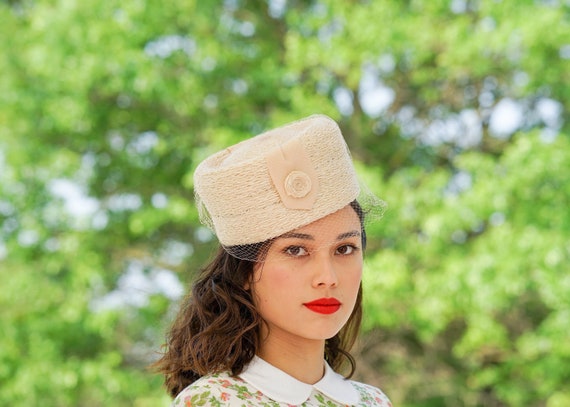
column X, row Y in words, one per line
column 279, row 386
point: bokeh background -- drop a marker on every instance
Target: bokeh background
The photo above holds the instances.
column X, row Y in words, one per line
column 457, row 114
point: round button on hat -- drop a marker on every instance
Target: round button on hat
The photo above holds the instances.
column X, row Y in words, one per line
column 297, row 184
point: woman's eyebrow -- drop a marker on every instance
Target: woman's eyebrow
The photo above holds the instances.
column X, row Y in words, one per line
column 305, row 236
column 353, row 233
column 296, row 235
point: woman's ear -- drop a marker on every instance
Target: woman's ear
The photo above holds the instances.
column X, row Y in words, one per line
column 255, row 274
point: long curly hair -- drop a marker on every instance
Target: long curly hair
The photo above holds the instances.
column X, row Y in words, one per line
column 218, row 326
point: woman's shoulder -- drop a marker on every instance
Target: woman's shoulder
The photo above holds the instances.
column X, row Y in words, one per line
column 370, row 395
column 218, row 389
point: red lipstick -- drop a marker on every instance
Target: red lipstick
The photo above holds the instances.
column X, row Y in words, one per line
column 324, row 305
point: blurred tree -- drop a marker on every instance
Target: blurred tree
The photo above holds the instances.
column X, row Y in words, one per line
column 457, row 110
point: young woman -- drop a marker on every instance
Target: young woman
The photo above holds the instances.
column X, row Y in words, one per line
column 272, row 318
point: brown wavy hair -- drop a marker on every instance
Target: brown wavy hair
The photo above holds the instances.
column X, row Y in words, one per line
column 218, row 326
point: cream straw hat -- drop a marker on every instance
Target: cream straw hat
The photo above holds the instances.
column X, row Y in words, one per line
column 275, row 182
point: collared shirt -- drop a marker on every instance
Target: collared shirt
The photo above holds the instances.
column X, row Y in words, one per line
column 262, row 384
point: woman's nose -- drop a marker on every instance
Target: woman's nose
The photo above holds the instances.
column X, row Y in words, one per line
column 325, row 274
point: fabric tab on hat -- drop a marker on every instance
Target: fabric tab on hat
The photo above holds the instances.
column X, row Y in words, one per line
column 293, row 175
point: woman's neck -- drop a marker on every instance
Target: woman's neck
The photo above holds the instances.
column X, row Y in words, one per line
column 303, row 361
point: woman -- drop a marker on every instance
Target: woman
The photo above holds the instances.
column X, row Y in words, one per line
column 273, row 317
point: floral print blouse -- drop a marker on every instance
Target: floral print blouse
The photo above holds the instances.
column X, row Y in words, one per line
column 264, row 385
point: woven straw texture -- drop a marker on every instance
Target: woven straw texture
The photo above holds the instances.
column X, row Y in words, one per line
column 236, row 189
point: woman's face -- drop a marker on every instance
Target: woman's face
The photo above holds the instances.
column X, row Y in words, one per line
column 307, row 286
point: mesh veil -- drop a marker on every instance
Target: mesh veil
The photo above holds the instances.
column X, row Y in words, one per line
column 317, row 235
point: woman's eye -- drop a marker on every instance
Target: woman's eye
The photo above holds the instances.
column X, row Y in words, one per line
column 346, row 249
column 296, row 251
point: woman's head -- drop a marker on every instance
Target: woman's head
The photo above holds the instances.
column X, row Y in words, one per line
column 307, row 284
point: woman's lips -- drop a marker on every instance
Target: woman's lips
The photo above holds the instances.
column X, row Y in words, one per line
column 324, row 305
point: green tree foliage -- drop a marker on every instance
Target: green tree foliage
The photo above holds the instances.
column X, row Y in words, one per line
column 456, row 111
